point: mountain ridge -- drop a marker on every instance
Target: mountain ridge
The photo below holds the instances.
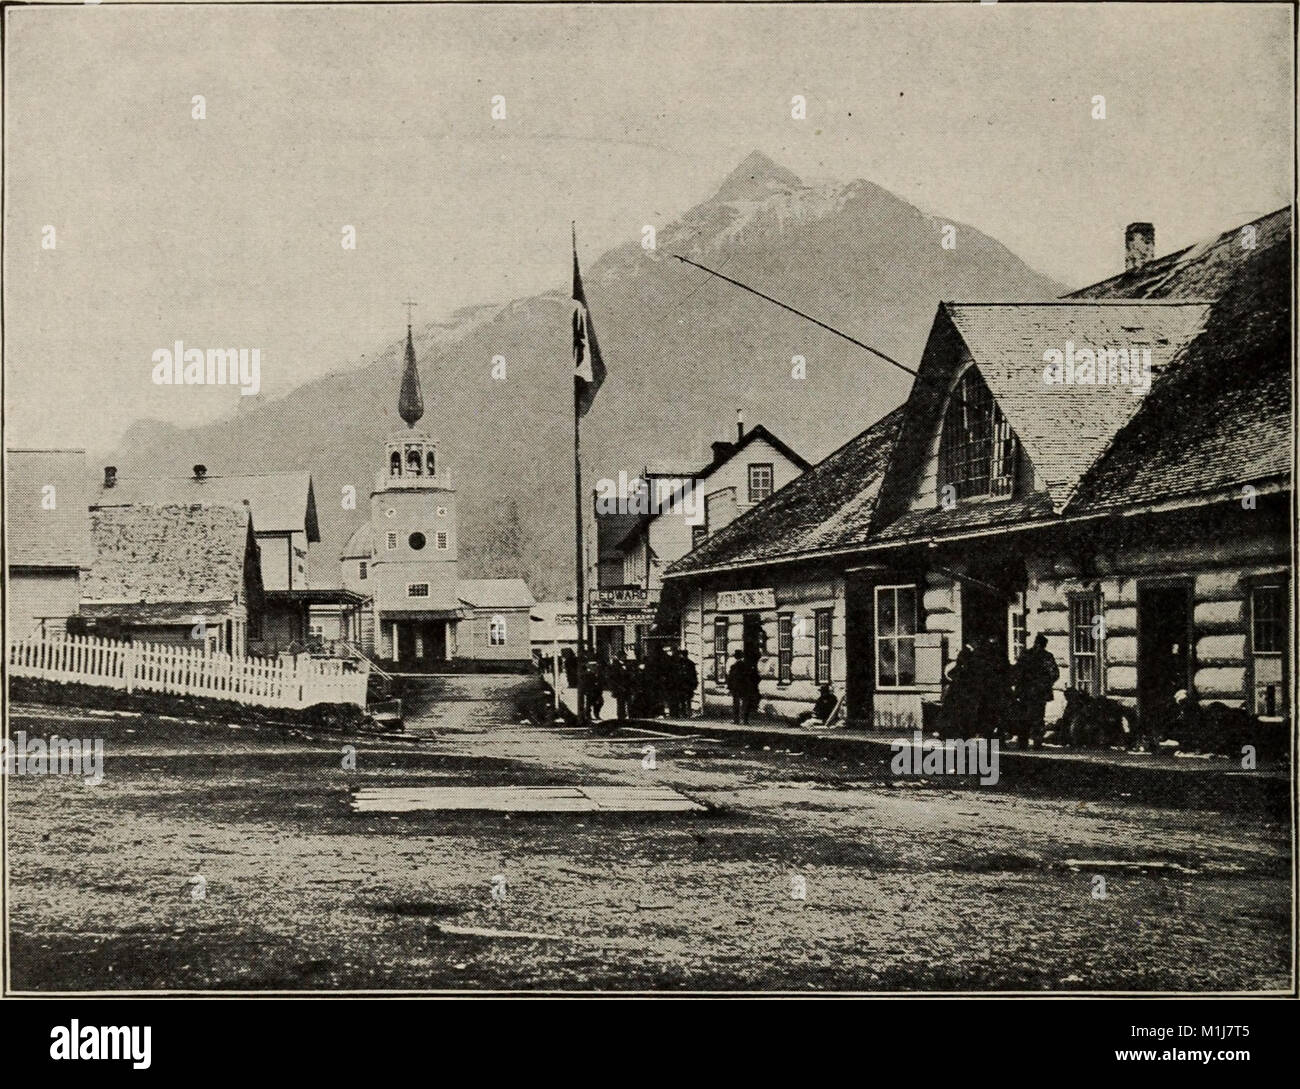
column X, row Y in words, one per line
column 683, row 349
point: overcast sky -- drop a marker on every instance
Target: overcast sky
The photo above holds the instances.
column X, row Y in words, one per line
column 226, row 231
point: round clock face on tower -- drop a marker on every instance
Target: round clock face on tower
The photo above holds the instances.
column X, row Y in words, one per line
column 416, row 541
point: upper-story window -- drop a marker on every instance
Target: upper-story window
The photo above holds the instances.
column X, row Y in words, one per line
column 395, row 464
column 441, row 540
column 413, row 461
column 390, row 541
column 760, row 482
column 417, row 589
column 363, row 570
column 431, row 462
column 977, row 451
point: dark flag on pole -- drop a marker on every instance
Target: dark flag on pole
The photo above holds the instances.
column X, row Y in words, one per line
column 588, row 367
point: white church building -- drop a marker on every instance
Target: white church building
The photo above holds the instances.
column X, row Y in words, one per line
column 404, row 560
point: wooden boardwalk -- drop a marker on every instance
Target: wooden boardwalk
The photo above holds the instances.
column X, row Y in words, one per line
column 525, row 799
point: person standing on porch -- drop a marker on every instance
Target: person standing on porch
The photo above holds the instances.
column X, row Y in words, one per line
column 1035, row 677
column 738, row 686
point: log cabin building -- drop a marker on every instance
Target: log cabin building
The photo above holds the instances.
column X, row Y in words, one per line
column 1037, row 481
column 283, row 509
column 181, row 574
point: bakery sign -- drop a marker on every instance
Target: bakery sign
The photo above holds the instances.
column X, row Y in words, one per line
column 736, row 600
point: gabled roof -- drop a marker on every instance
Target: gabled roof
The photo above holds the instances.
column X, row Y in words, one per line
column 824, row 510
column 495, row 593
column 1222, row 417
column 1065, row 428
column 281, row 502
column 168, row 554
column 1217, row 414
column 40, row 537
column 724, row 455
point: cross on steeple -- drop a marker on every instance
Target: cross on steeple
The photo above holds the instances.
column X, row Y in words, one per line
column 410, row 304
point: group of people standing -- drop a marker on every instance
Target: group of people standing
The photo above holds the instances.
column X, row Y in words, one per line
column 661, row 682
column 988, row 696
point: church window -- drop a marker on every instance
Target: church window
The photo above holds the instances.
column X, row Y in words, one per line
column 390, row 541
column 395, row 464
column 977, row 450
column 497, row 632
column 431, row 461
column 416, row 541
column 417, row 589
column 442, row 539
column 413, row 460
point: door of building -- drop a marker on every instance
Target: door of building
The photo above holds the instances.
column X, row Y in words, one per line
column 1164, row 622
column 859, row 647
column 754, row 642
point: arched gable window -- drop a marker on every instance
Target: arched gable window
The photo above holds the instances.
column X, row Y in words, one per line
column 977, row 450
column 395, row 464
column 413, row 461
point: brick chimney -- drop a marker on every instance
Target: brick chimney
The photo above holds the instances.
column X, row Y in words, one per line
column 110, row 476
column 1139, row 245
column 200, row 472
column 740, row 424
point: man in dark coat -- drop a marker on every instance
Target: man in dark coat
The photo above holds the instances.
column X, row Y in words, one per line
column 687, row 679
column 738, row 685
column 960, row 702
column 620, row 684
column 1035, row 677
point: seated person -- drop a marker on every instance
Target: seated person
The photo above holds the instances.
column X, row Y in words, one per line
column 821, row 710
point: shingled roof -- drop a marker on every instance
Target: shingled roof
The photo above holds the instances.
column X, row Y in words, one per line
column 1217, row 317
column 1222, row 417
column 41, row 534
column 167, row 555
column 281, row 502
column 826, row 509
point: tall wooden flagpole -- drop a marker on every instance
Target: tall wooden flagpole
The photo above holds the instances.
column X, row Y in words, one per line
column 578, row 527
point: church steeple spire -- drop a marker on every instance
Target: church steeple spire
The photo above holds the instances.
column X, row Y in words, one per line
column 410, row 405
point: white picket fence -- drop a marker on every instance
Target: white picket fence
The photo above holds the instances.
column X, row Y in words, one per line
column 189, row 671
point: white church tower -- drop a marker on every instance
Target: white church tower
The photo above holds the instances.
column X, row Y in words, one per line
column 405, row 561
column 413, row 573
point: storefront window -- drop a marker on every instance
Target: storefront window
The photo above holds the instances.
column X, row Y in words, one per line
column 1016, row 628
column 822, row 622
column 1085, row 645
column 784, row 649
column 720, row 649
column 895, row 636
